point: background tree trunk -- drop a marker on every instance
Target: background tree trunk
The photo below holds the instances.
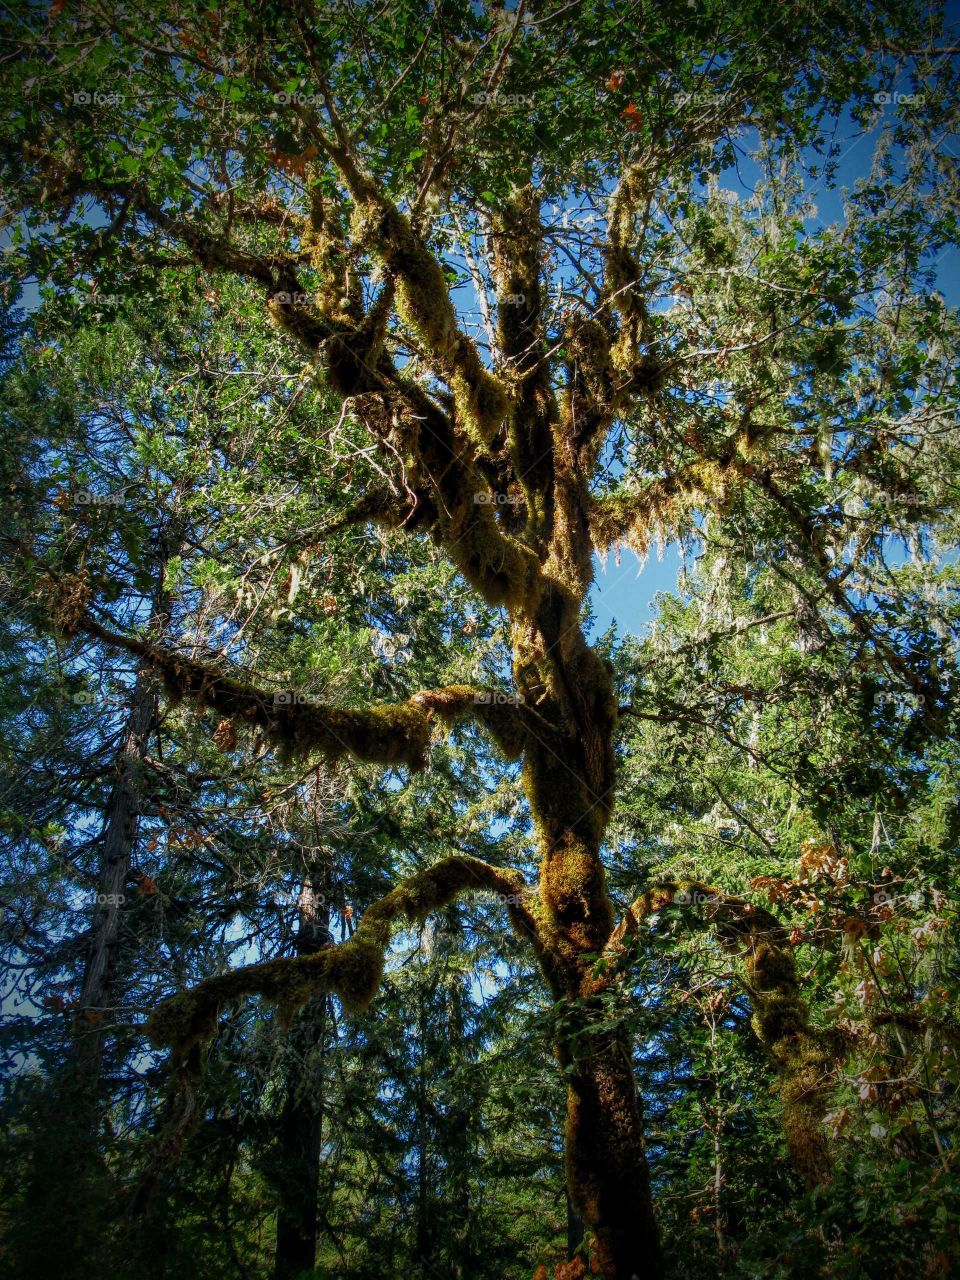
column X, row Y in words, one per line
column 300, row 1135
column 118, row 838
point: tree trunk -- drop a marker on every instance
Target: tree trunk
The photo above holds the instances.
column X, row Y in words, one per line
column 300, row 1136
column 119, row 836
column 607, row 1175
column 569, row 778
column 574, row 1228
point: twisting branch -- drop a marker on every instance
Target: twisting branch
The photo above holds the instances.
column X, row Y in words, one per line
column 407, row 421
column 423, row 298
column 612, row 363
column 622, row 278
column 353, row 970
column 388, row 733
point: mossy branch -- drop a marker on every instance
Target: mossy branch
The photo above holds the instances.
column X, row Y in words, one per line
column 804, row 1056
column 919, row 1025
column 634, row 515
column 611, row 356
column 387, row 733
column 423, row 298
column 353, row 970
column 622, row 271
column 352, row 346
column 517, row 238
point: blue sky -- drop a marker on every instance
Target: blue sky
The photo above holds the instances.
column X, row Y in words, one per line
column 625, row 593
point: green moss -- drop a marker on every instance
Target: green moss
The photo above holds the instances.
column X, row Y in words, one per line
column 183, row 1021
column 353, row 970
column 804, row 1057
column 423, row 303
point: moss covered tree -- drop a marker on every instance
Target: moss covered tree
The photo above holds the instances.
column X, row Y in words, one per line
column 653, row 352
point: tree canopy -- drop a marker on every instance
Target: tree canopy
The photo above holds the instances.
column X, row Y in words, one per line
column 342, row 344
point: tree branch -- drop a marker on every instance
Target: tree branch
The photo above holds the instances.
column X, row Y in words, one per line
column 423, row 299
column 388, row 733
column 517, row 251
column 353, row 970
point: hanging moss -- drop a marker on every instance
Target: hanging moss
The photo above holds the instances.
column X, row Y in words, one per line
column 387, row 734
column 804, row 1056
column 500, row 713
column 353, row 970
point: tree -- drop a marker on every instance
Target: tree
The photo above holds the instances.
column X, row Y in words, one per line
column 100, row 461
column 560, row 167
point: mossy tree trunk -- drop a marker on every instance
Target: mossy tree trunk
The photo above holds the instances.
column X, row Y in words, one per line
column 569, row 777
column 607, row 1173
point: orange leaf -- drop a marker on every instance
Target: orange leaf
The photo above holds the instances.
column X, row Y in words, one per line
column 854, row 927
column 633, row 117
column 616, row 81
column 572, row 1270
